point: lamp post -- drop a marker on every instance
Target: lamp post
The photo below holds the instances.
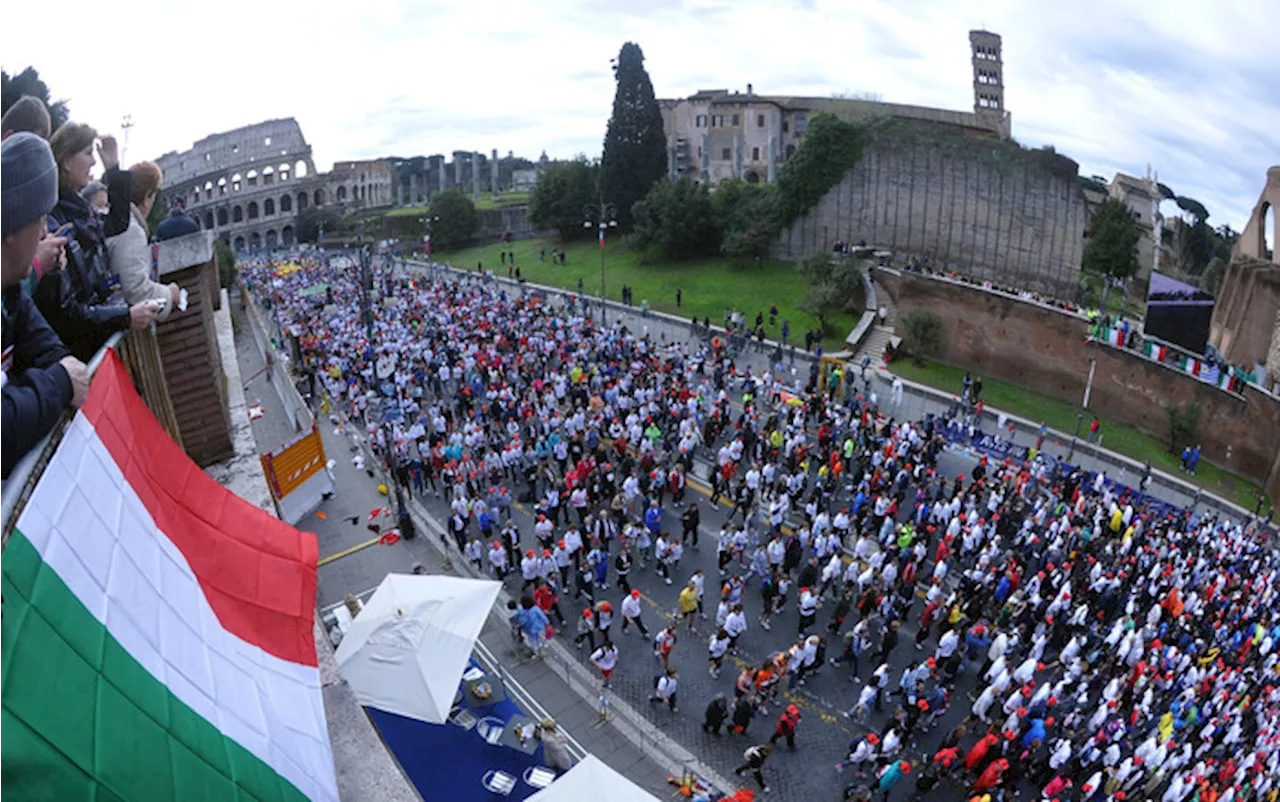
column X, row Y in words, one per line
column 600, row 216
column 1088, row 387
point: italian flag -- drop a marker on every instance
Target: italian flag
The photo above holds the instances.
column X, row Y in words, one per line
column 1157, row 352
column 1192, row 366
column 157, row 631
column 1115, row 337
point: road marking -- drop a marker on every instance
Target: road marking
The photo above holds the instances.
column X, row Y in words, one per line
column 352, row 550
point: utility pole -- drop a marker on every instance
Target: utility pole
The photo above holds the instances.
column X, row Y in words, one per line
column 125, row 125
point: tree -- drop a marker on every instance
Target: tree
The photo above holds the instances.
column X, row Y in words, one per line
column 747, row 217
column 635, row 147
column 1112, row 248
column 830, row 146
column 563, row 189
column 1193, row 206
column 833, row 287
column 314, row 218
column 28, row 82
column 675, row 221
column 226, row 263
column 457, row 218
column 921, row 333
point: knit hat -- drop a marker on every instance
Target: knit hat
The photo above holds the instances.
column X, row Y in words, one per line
column 29, row 181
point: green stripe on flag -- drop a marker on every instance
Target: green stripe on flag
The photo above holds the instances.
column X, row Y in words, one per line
column 83, row 720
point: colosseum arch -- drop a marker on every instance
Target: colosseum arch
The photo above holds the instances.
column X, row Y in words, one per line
column 236, row 182
column 255, row 241
column 286, row 204
column 318, row 200
column 302, row 201
column 208, row 190
column 300, row 169
column 286, row 236
column 208, row 219
column 222, row 186
column 272, row 242
column 342, row 195
column 268, row 207
column 222, row 216
column 268, row 176
column 237, row 214
column 252, row 178
column 253, row 210
column 283, row 172
column 239, row 244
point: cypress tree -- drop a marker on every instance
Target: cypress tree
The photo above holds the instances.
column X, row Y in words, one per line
column 635, row 147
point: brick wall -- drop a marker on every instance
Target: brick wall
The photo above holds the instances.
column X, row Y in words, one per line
column 1043, row 350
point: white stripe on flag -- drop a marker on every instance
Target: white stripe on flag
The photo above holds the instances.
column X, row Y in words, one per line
column 134, row 581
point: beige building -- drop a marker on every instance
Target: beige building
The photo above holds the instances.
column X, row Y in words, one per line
column 1142, row 196
column 718, row 134
column 366, row 184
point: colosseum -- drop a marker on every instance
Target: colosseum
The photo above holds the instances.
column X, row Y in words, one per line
column 249, row 185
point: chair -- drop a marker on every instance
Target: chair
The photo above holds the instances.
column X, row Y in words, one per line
column 538, row 776
column 498, row 782
column 490, row 729
column 463, row 719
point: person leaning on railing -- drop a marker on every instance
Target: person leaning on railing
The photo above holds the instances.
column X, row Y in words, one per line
column 79, row 302
column 40, row 377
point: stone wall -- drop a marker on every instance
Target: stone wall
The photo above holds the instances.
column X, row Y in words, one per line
column 987, row 209
column 1042, row 350
column 1244, row 319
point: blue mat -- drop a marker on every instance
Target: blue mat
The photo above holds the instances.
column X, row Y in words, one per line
column 446, row 762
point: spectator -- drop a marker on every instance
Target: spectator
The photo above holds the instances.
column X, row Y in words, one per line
column 95, row 194
column 129, row 253
column 177, row 224
column 41, row 378
column 27, row 114
column 77, row 301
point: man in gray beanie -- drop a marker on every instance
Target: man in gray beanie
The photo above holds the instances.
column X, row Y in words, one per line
column 41, row 379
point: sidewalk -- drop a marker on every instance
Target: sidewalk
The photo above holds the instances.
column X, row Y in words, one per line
column 556, row 687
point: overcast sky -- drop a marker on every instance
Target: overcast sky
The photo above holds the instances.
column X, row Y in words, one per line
column 1189, row 87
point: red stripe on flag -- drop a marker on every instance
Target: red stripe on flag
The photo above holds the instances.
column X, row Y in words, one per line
column 258, row 573
column 602, row 238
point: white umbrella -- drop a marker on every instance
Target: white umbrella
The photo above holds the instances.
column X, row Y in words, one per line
column 592, row 779
column 406, row 650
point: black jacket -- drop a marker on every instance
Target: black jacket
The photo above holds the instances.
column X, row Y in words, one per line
column 37, row 389
column 74, row 300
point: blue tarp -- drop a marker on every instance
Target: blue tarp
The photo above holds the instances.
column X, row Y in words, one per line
column 446, row 762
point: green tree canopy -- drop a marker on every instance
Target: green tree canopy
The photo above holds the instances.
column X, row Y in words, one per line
column 1112, row 247
column 921, row 332
column 833, row 286
column 830, row 146
column 457, row 218
column 675, row 221
column 747, row 217
column 312, row 219
column 28, row 82
column 635, row 147
column 563, row 189
column 1195, row 207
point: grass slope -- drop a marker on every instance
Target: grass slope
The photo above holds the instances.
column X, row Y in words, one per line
column 709, row 285
column 1061, row 415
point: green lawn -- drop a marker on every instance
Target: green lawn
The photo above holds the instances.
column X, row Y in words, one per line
column 709, row 285
column 1061, row 415
column 486, row 202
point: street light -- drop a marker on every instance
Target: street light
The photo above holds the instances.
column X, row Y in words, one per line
column 600, row 216
column 1088, row 387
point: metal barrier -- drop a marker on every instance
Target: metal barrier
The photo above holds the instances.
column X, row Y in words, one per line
column 26, row 473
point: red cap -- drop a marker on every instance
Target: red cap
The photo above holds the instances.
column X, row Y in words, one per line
column 497, row 545
column 529, row 553
column 560, row 543
column 587, row 613
column 635, row 594
column 873, row 739
column 905, row 767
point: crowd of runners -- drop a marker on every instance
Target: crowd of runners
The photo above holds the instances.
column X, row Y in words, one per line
column 1119, row 654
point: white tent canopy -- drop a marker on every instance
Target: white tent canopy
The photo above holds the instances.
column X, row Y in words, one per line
column 592, row 779
column 406, row 650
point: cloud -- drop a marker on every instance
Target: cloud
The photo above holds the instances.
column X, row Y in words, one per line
column 1191, row 88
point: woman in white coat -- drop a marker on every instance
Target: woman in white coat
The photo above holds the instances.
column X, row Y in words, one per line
column 129, row 253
